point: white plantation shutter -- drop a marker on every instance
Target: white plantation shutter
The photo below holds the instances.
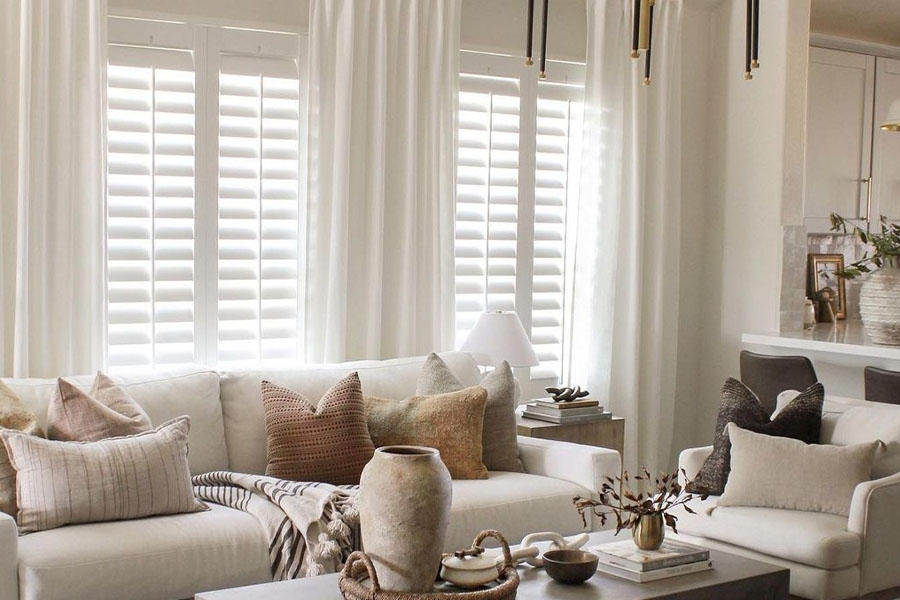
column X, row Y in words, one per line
column 150, row 197
column 487, row 196
column 259, row 216
column 519, row 154
column 204, row 196
column 557, row 166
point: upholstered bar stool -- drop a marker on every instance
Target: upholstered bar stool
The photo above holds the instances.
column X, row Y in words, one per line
column 882, row 385
column 767, row 376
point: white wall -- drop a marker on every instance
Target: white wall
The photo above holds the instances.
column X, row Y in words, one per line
column 487, row 25
column 753, row 164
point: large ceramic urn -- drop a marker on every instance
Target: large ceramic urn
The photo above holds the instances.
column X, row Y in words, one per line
column 879, row 303
column 404, row 511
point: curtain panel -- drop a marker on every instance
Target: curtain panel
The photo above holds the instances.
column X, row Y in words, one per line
column 624, row 326
column 52, row 186
column 382, row 177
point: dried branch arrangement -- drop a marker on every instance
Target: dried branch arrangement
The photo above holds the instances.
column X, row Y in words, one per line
column 627, row 506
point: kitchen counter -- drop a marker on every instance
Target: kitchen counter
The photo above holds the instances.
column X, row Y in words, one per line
column 843, row 337
column 839, row 351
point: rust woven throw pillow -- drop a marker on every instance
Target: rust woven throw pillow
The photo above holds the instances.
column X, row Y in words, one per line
column 13, row 415
column 329, row 442
column 799, row 420
column 104, row 412
column 500, row 443
column 129, row 477
column 452, row 423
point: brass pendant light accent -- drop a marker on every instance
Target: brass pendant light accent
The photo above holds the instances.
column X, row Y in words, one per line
column 642, row 36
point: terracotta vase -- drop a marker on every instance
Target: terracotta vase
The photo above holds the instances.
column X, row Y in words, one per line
column 879, row 303
column 649, row 531
column 404, row 511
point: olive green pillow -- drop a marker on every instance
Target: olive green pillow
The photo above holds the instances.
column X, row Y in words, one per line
column 451, row 423
column 13, row 415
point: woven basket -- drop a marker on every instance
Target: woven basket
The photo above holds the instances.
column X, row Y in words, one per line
column 355, row 585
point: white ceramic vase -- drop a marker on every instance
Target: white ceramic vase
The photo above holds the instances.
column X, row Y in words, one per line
column 879, row 303
column 404, row 512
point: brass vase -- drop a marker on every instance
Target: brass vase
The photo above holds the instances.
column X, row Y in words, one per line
column 648, row 532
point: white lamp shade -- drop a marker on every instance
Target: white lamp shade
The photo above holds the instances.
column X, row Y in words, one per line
column 892, row 122
column 498, row 336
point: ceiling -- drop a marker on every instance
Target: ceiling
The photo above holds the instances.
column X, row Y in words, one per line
column 871, row 20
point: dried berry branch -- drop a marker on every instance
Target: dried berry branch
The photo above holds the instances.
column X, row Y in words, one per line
column 617, row 498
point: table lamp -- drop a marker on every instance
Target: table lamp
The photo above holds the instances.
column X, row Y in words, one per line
column 497, row 336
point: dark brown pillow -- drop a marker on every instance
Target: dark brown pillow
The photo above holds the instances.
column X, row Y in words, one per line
column 800, row 420
column 328, row 443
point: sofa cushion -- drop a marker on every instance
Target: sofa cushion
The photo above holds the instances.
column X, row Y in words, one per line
column 13, row 415
column 104, row 412
column 817, row 539
column 499, row 443
column 128, row 477
column 155, row 558
column 780, row 472
column 245, row 424
column 801, row 420
column 515, row 504
column 164, row 395
column 328, row 443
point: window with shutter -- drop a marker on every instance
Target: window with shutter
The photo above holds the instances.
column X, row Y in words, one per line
column 150, row 204
column 259, row 215
column 519, row 152
column 487, row 197
column 205, row 209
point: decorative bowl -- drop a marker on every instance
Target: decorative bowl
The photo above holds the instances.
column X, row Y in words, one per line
column 570, row 566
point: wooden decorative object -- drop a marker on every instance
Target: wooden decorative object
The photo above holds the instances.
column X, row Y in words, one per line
column 359, row 581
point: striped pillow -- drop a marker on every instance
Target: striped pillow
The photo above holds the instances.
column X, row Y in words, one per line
column 61, row 483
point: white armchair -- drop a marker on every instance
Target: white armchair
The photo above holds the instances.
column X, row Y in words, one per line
column 9, row 542
column 871, row 534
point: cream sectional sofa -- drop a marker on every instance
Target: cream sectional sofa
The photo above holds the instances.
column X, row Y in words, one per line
column 172, row 557
column 831, row 557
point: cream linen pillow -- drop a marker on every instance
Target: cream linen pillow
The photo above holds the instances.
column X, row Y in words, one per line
column 61, row 483
column 779, row 472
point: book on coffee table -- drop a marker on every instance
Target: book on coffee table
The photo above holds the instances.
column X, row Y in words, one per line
column 656, row 574
column 563, row 419
column 625, row 555
column 571, row 405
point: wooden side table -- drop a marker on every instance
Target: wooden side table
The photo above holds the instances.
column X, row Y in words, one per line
column 608, row 433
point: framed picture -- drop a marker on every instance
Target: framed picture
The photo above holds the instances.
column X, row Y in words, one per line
column 823, row 269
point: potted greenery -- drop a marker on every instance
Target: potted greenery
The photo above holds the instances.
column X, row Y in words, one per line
column 879, row 296
column 645, row 513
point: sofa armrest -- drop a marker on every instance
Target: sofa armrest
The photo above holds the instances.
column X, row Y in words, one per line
column 691, row 460
column 578, row 463
column 9, row 557
column 873, row 515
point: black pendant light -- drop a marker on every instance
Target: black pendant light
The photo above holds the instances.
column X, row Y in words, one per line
column 529, row 34
column 751, row 56
column 642, row 35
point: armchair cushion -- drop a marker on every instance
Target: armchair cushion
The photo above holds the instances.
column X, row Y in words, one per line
column 816, row 539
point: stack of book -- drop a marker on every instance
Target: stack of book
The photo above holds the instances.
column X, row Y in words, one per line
column 576, row 411
column 624, row 559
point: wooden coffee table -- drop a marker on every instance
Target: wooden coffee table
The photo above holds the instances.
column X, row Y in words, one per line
column 731, row 577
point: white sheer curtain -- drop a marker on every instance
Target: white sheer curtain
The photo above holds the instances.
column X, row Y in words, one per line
column 52, row 186
column 382, row 113
column 625, row 307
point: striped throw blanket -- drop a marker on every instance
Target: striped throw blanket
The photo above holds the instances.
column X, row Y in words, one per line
column 311, row 527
